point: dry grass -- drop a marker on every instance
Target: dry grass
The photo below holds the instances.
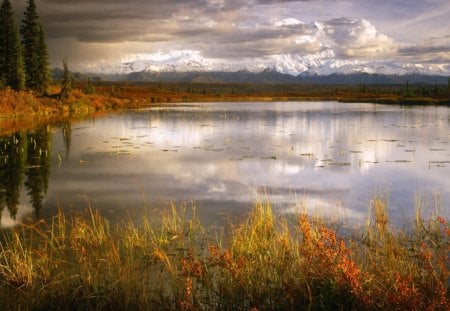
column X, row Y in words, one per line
column 25, row 104
column 267, row 262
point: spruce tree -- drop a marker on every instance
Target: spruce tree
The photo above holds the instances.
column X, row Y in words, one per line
column 44, row 72
column 35, row 50
column 11, row 62
column 66, row 83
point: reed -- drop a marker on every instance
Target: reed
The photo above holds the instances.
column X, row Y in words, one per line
column 266, row 262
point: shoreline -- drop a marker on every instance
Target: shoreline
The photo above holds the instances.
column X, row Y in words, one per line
column 19, row 110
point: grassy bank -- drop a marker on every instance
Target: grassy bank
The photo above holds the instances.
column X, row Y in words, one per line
column 154, row 92
column 24, row 103
column 267, row 262
column 23, row 110
column 106, row 96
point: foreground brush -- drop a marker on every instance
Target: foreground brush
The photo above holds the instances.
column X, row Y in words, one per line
column 267, row 262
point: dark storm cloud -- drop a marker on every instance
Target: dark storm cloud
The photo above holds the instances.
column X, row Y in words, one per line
column 434, row 50
column 83, row 19
column 137, row 20
column 85, row 30
column 420, row 50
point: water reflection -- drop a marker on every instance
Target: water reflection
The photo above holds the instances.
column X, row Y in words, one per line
column 24, row 162
column 12, row 164
column 319, row 156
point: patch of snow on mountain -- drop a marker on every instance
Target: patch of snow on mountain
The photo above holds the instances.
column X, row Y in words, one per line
column 320, row 63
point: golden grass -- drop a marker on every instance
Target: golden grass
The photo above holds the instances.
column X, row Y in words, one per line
column 22, row 104
column 267, row 262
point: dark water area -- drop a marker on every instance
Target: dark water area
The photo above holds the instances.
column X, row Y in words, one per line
column 326, row 158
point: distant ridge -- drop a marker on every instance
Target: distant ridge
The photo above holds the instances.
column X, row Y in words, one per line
column 359, row 78
column 265, row 76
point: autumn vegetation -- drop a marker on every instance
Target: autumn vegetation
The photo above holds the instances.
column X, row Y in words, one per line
column 90, row 97
column 266, row 262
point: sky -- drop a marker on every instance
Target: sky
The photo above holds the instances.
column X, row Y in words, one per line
column 101, row 34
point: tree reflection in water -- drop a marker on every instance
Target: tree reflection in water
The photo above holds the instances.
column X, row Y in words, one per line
column 24, row 156
column 38, row 167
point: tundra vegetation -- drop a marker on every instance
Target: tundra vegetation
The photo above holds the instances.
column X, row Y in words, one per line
column 86, row 97
column 266, row 262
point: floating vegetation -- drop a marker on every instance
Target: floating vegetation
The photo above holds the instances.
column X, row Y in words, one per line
column 269, row 158
column 327, row 160
column 438, row 163
column 212, row 149
column 340, row 163
column 235, row 159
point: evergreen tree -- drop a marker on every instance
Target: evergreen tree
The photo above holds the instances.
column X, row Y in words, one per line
column 90, row 87
column 66, row 83
column 35, row 50
column 44, row 72
column 11, row 62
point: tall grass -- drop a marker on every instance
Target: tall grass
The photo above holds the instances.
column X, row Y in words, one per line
column 25, row 104
column 267, row 262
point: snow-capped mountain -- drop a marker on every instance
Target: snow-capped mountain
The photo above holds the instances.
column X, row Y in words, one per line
column 323, row 63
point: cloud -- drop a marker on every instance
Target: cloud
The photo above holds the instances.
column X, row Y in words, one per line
column 228, row 30
column 358, row 38
column 432, row 50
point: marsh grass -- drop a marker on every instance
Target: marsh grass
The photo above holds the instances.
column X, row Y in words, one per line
column 266, row 262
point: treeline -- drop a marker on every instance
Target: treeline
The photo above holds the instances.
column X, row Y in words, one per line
column 23, row 54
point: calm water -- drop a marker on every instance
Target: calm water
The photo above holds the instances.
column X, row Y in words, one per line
column 325, row 157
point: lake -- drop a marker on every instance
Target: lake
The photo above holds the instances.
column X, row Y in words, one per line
column 327, row 158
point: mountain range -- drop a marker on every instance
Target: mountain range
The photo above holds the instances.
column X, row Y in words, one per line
column 185, row 66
